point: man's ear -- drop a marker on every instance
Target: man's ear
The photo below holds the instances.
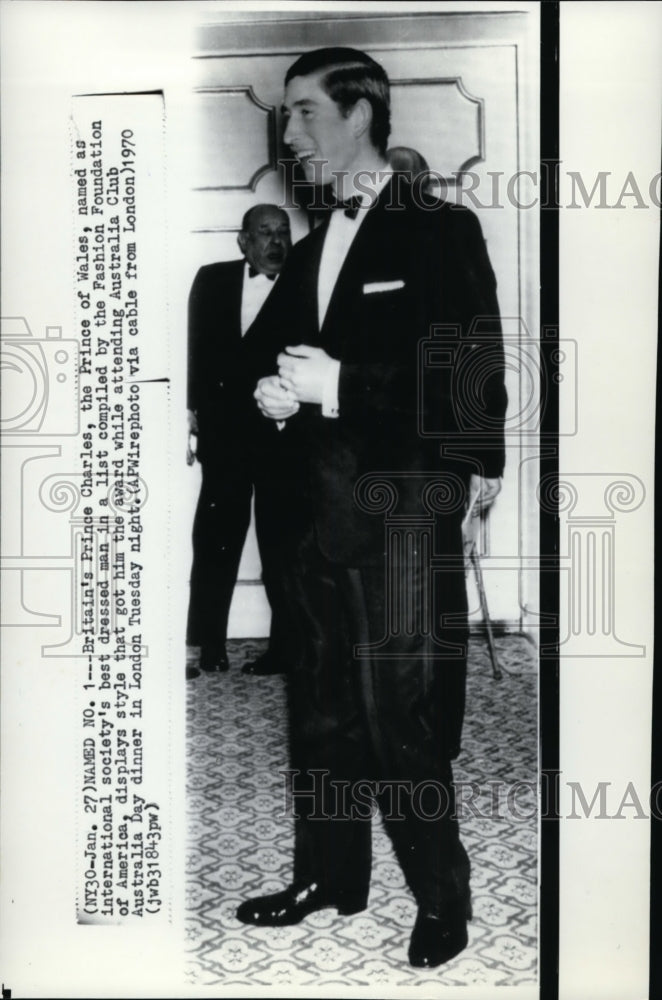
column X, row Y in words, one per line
column 361, row 115
column 242, row 240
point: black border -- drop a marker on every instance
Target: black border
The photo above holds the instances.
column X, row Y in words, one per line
column 655, row 953
column 549, row 717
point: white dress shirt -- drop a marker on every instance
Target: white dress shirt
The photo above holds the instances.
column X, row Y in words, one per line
column 339, row 237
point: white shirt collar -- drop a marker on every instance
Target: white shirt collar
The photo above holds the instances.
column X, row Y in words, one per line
column 375, row 181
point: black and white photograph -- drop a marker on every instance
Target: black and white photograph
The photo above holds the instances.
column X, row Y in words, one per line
column 390, row 435
column 328, row 372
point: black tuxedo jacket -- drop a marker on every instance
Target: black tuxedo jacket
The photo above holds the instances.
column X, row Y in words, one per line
column 214, row 352
column 413, row 398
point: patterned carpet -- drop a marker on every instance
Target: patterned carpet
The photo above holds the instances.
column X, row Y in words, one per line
column 240, row 841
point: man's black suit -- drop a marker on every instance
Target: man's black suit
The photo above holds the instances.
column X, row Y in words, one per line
column 381, row 491
column 227, row 457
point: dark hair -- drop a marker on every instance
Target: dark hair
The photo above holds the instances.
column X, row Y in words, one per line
column 407, row 160
column 348, row 75
column 246, row 221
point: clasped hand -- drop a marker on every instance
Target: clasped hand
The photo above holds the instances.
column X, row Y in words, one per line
column 302, row 372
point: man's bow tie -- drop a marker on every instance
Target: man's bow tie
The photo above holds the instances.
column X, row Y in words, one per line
column 253, row 273
column 350, row 206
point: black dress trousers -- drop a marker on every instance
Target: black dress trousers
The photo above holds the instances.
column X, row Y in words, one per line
column 220, row 526
column 366, row 728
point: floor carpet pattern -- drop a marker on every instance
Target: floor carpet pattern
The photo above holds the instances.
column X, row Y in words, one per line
column 240, row 841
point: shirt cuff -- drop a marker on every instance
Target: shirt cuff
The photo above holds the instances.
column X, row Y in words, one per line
column 330, row 406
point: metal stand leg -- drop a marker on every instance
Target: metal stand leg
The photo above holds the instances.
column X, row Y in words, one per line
column 475, row 562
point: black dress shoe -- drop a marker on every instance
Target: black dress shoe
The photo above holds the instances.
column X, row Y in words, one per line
column 437, row 938
column 213, row 660
column 263, row 666
column 191, row 672
column 293, row 904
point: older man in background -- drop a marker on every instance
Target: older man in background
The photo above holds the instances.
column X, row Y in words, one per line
column 225, row 300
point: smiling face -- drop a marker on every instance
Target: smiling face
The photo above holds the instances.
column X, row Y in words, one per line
column 324, row 141
column 267, row 240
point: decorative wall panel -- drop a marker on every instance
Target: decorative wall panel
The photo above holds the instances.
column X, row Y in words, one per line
column 239, row 134
column 446, row 115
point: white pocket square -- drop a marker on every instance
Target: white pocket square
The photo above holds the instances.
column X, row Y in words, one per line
column 382, row 286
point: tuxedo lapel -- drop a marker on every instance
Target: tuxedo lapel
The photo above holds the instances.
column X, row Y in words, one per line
column 228, row 288
column 310, row 323
column 378, row 251
column 349, row 274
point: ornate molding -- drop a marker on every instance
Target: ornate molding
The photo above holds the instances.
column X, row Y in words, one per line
column 271, row 137
column 477, row 156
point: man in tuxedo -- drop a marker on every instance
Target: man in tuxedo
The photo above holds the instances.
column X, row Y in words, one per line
column 393, row 399
column 224, row 301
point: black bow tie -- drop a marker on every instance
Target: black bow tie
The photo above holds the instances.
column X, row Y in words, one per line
column 252, row 273
column 350, row 206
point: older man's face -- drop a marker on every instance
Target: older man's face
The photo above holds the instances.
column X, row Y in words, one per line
column 267, row 241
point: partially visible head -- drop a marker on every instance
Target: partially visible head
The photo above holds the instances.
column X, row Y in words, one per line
column 406, row 160
column 411, row 163
column 265, row 239
column 337, row 101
